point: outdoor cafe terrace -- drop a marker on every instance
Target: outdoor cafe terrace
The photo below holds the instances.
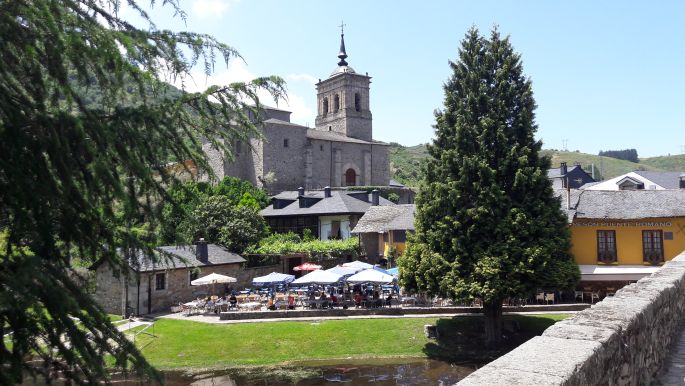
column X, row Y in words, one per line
column 353, row 289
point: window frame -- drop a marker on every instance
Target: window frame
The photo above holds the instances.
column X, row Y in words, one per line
column 606, row 255
column 286, row 142
column 192, row 275
column 157, row 281
column 655, row 254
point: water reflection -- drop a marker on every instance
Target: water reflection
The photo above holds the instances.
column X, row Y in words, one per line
column 415, row 372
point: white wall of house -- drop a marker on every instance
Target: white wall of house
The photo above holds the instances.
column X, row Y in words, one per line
column 327, row 225
column 612, row 184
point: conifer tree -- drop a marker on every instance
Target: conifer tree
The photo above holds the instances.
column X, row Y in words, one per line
column 488, row 225
column 87, row 125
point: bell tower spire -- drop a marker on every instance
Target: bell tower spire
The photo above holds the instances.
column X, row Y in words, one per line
column 342, row 55
column 343, row 100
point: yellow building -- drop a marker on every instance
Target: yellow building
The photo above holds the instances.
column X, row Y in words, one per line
column 383, row 229
column 625, row 235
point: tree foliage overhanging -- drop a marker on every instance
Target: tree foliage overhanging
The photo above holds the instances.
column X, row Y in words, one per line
column 77, row 177
column 488, row 224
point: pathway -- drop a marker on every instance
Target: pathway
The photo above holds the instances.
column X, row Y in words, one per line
column 214, row 319
column 674, row 370
column 129, row 324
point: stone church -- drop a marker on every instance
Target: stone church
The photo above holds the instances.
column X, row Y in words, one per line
column 339, row 151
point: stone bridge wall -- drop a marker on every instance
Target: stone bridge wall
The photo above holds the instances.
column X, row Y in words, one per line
column 622, row 340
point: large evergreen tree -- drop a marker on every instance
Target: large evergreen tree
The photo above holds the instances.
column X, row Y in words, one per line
column 488, row 224
column 78, row 174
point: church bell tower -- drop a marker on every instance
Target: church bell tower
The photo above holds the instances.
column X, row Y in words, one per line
column 343, row 100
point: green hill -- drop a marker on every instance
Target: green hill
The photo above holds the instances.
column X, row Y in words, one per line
column 671, row 163
column 405, row 163
column 605, row 167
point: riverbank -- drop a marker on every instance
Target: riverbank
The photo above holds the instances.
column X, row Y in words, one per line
column 188, row 345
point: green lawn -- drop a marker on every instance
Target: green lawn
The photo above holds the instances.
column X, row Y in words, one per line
column 186, row 344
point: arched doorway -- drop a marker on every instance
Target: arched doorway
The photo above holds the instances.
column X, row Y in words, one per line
column 350, row 177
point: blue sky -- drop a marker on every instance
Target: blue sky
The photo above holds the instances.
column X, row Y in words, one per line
column 606, row 75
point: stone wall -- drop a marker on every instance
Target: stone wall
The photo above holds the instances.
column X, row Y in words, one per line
column 622, row 340
column 287, row 163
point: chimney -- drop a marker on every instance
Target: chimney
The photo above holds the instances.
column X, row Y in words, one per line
column 375, row 197
column 682, row 181
column 300, row 191
column 562, row 168
column 327, row 191
column 201, row 252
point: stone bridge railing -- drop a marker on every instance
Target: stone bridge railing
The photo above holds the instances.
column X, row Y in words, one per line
column 622, row 340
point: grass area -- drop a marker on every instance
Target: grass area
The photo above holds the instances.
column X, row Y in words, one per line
column 186, row 344
column 114, row 318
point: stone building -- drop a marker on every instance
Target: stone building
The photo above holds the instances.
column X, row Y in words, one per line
column 151, row 287
column 327, row 214
column 383, row 230
column 339, row 151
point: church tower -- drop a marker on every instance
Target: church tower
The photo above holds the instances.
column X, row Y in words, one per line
column 343, row 101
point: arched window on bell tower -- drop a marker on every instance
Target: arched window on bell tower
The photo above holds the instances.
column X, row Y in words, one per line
column 336, row 103
column 325, row 106
column 357, row 102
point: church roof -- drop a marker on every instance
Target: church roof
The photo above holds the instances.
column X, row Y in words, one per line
column 333, row 136
column 340, row 202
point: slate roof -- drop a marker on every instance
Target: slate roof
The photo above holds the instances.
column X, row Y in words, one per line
column 556, row 172
column 340, row 202
column 386, row 218
column 625, row 204
column 335, row 137
column 667, row 180
column 282, row 122
column 217, row 255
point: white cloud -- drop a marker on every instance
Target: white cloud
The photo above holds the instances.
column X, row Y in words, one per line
column 211, row 8
column 238, row 72
column 301, row 113
column 302, row 78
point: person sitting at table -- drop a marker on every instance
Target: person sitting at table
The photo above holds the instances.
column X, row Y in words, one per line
column 334, row 301
column 388, row 300
column 323, row 299
column 271, row 305
column 233, row 301
column 365, row 300
column 312, row 300
column 376, row 299
column 291, row 301
column 357, row 299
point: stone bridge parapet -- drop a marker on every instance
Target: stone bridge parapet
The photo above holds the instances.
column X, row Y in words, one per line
column 622, row 340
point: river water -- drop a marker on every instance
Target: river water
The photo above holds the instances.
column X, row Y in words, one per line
column 378, row 372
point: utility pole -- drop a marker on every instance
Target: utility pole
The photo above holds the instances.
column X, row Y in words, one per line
column 564, row 144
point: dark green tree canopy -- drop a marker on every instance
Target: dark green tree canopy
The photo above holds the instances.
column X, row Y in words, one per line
column 487, row 224
column 79, row 175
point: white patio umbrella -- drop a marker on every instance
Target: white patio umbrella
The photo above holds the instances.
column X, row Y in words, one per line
column 213, row 278
column 370, row 276
column 274, row 278
column 319, row 277
column 358, row 264
column 344, row 271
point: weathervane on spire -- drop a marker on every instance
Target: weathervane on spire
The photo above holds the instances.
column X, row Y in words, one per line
column 342, row 55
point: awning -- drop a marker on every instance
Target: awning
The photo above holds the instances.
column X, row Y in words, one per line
column 615, row 272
